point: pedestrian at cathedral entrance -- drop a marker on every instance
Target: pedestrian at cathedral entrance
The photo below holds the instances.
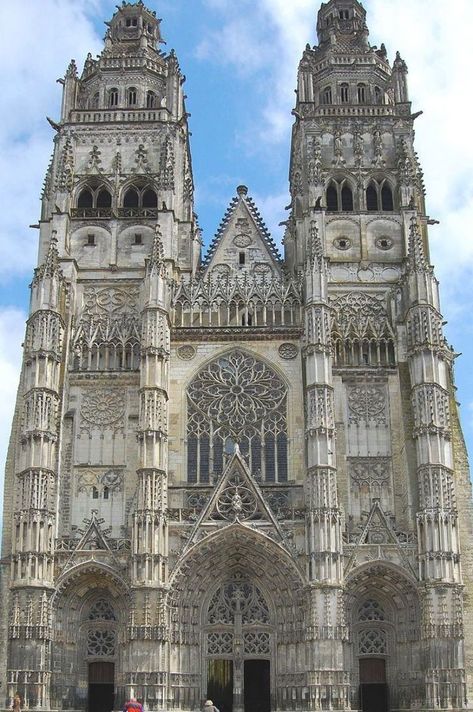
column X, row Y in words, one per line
column 16, row 705
column 132, row 705
column 210, row 707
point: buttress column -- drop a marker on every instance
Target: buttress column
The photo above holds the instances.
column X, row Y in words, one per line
column 148, row 627
column 327, row 682
column 437, row 520
column 32, row 560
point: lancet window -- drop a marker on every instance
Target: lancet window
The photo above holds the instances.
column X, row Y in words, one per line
column 139, row 201
column 379, row 196
column 94, row 200
column 237, row 399
column 362, row 335
column 339, row 196
column 151, row 100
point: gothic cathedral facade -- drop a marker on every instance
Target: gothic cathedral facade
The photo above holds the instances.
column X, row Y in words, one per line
column 239, row 476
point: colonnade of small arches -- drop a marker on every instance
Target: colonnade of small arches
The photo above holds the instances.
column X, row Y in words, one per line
column 92, row 198
column 341, row 196
column 347, row 93
column 125, row 97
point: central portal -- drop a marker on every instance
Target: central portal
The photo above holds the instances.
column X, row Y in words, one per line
column 238, row 646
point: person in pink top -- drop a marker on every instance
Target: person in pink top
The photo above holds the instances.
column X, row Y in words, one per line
column 132, row 705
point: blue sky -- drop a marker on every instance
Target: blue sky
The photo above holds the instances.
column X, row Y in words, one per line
column 240, row 58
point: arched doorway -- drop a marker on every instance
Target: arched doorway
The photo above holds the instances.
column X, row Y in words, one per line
column 237, row 646
column 90, row 611
column 237, row 602
column 384, row 612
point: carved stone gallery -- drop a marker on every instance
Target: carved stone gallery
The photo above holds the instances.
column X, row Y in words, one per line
column 236, row 475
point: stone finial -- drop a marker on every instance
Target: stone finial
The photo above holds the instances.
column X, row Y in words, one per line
column 242, row 191
column 417, row 258
column 156, row 261
column 50, row 266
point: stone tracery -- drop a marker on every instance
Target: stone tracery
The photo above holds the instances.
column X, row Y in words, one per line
column 237, row 398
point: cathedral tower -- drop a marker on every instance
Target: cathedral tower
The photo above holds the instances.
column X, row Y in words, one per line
column 237, row 476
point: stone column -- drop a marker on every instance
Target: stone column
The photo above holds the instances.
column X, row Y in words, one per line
column 32, row 560
column 437, row 520
column 327, row 682
column 148, row 631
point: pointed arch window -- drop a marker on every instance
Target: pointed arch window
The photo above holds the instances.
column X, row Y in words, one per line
column 344, row 93
column 113, row 97
column 85, row 199
column 237, row 399
column 378, row 95
column 139, row 198
column 327, row 95
column 339, row 196
column 94, row 200
column 379, row 196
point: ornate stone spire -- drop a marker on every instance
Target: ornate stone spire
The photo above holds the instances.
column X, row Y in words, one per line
column 156, row 261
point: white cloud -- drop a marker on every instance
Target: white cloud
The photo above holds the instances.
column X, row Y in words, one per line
column 32, row 57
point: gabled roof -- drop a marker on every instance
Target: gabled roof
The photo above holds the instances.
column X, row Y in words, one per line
column 242, row 205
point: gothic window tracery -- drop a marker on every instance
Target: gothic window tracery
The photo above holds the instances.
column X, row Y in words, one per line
column 101, row 643
column 361, row 332
column 371, row 610
column 102, row 610
column 94, row 200
column 362, row 93
column 379, row 196
column 139, row 200
column 339, row 196
column 237, row 398
column 344, row 93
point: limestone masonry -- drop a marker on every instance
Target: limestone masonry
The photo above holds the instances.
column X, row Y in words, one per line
column 236, row 476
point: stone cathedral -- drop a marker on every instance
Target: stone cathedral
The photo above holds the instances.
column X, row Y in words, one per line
column 236, row 475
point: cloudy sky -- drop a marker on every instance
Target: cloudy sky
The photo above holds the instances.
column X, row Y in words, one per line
column 240, row 58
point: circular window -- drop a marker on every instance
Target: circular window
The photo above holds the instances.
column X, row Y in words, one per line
column 384, row 243
column 342, row 243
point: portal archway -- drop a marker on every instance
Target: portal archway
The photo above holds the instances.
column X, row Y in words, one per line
column 237, row 610
column 384, row 612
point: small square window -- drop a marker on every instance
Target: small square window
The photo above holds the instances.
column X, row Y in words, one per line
column 134, row 22
column 138, row 239
column 91, row 239
column 241, row 258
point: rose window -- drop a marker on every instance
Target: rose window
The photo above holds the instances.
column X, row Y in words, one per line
column 237, row 399
column 101, row 643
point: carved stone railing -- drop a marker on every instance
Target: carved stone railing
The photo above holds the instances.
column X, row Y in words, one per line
column 91, row 213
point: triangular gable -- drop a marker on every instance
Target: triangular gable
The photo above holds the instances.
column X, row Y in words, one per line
column 93, row 538
column 243, row 232
column 236, row 499
column 378, row 531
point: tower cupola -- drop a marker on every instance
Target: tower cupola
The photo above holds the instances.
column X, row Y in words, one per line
column 340, row 18
column 133, row 24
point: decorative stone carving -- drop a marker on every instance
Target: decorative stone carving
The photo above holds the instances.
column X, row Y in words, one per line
column 219, row 643
column 372, row 642
column 103, row 408
column 242, row 241
column 237, row 501
column 367, row 404
column 238, row 596
column 288, row 351
column 186, row 353
column 372, row 471
column 101, row 643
